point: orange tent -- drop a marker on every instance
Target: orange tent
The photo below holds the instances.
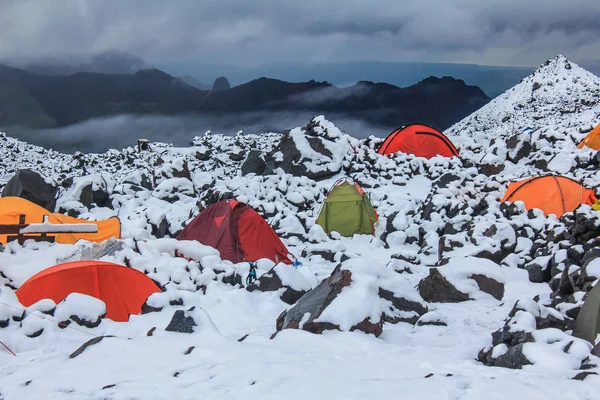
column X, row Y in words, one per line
column 420, row 140
column 592, row 140
column 12, row 207
column 552, row 194
column 121, row 288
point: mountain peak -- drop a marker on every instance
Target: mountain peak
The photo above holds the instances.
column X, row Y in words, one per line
column 558, row 99
column 556, row 65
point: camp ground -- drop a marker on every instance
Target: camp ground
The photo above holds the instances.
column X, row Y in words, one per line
column 424, row 262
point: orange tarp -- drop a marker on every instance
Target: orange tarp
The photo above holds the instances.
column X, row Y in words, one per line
column 124, row 290
column 592, row 140
column 12, row 207
column 552, row 194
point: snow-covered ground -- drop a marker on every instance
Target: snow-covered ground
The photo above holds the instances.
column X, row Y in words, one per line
column 439, row 219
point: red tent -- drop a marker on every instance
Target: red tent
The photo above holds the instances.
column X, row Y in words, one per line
column 237, row 231
column 420, row 140
column 121, row 288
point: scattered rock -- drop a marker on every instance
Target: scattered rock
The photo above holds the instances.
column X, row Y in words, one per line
column 87, row 344
column 435, row 288
column 306, row 312
column 271, row 282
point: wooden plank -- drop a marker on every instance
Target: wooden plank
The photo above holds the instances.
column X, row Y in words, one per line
column 11, row 228
column 22, row 238
column 31, row 228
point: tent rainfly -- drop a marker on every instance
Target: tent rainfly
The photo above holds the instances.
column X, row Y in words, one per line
column 418, row 139
column 347, row 210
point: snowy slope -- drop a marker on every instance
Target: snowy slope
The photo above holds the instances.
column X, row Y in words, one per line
column 551, row 110
column 439, row 219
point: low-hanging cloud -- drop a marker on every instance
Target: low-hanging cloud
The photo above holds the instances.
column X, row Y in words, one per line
column 101, row 134
column 262, row 31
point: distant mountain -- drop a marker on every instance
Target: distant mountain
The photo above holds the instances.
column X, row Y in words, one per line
column 221, row 83
column 493, row 80
column 439, row 102
column 112, row 62
column 190, row 80
column 55, row 101
column 49, row 101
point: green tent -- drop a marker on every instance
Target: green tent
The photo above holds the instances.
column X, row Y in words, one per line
column 587, row 325
column 347, row 210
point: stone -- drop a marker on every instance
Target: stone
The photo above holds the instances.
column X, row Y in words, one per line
column 316, row 301
column 271, row 282
column 254, row 164
column 180, row 322
column 435, row 288
column 489, row 285
column 87, row 344
column 402, row 305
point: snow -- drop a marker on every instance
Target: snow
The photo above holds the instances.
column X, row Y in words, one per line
column 86, row 307
column 291, row 277
column 424, row 223
column 47, row 227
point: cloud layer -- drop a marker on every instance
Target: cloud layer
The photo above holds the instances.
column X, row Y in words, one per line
column 244, row 32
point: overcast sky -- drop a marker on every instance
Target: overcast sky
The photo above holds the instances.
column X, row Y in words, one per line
column 255, row 32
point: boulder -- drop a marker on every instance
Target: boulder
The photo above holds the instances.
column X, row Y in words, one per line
column 489, row 285
column 401, row 309
column 190, row 321
column 306, row 313
column 30, row 185
column 316, row 151
column 285, row 278
column 513, row 358
column 84, row 310
column 462, row 279
column 254, row 164
column 435, row 288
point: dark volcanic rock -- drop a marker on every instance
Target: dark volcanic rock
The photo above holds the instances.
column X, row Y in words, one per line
column 402, row 305
column 87, row 344
column 162, row 229
column 538, row 272
column 582, row 375
column 489, row 285
column 316, row 301
column 30, row 185
column 513, row 358
column 182, row 321
column 435, row 288
column 271, row 282
column 254, row 164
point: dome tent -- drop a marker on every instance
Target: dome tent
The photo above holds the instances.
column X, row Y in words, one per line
column 550, row 193
column 237, row 231
column 124, row 290
column 418, row 139
column 347, row 210
column 12, row 208
column 592, row 140
column 587, row 324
